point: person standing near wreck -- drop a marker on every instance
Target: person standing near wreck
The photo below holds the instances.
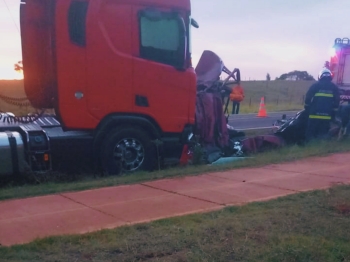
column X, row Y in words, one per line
column 236, row 96
column 321, row 103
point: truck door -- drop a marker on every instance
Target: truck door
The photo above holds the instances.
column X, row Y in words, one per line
column 163, row 83
column 109, row 59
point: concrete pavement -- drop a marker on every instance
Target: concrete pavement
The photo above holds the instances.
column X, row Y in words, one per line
column 24, row 220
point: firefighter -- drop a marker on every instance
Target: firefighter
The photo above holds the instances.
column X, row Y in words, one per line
column 236, row 96
column 321, row 103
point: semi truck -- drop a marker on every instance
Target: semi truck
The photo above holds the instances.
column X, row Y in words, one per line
column 339, row 65
column 119, row 77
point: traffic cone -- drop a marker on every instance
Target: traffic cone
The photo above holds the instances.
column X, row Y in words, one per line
column 262, row 110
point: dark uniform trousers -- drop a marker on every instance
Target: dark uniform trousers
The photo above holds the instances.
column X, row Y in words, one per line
column 317, row 128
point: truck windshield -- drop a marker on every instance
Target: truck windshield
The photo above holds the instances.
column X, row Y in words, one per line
column 162, row 37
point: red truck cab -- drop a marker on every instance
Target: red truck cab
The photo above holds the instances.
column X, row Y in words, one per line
column 110, row 66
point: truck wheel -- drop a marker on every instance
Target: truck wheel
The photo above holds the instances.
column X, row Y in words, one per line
column 127, row 149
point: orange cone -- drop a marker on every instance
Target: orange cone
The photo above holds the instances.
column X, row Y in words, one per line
column 262, row 110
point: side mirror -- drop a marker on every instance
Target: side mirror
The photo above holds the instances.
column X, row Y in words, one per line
column 194, row 23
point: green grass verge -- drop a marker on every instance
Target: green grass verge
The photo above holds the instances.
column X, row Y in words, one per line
column 285, row 154
column 313, row 226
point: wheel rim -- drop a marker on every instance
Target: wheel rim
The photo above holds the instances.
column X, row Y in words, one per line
column 130, row 153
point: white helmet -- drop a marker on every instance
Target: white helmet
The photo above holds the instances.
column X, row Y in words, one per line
column 325, row 72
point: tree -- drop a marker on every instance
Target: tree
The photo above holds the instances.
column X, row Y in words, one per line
column 19, row 67
column 268, row 77
column 326, row 65
column 296, row 75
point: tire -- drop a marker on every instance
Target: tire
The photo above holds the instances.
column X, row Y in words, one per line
column 127, row 149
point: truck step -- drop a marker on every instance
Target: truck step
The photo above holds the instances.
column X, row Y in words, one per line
column 7, row 122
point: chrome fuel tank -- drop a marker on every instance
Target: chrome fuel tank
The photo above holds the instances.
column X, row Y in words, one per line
column 12, row 159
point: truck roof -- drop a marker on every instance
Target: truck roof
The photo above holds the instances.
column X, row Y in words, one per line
column 184, row 4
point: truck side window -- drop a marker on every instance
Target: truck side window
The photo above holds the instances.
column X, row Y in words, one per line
column 161, row 36
column 76, row 22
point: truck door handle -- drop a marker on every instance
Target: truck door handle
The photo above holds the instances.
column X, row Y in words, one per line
column 141, row 101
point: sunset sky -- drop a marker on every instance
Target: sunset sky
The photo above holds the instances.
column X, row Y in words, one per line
column 259, row 37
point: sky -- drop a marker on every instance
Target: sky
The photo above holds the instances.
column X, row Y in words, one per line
column 257, row 36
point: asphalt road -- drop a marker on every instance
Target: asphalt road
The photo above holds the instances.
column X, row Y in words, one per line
column 251, row 121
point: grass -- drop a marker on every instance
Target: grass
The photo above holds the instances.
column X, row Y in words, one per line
column 313, row 226
column 279, row 95
column 84, row 182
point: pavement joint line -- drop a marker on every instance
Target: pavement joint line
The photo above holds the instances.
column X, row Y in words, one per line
column 127, row 201
column 328, row 161
column 288, row 171
column 36, row 215
column 180, row 194
column 256, row 180
column 224, row 186
column 310, row 173
column 303, row 172
column 302, row 190
column 263, row 199
column 93, row 208
column 228, row 179
column 218, row 187
column 333, row 176
column 192, row 212
column 269, row 186
column 277, row 187
column 193, row 190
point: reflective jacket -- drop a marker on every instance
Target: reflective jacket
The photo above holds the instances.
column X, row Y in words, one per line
column 322, row 100
column 237, row 94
